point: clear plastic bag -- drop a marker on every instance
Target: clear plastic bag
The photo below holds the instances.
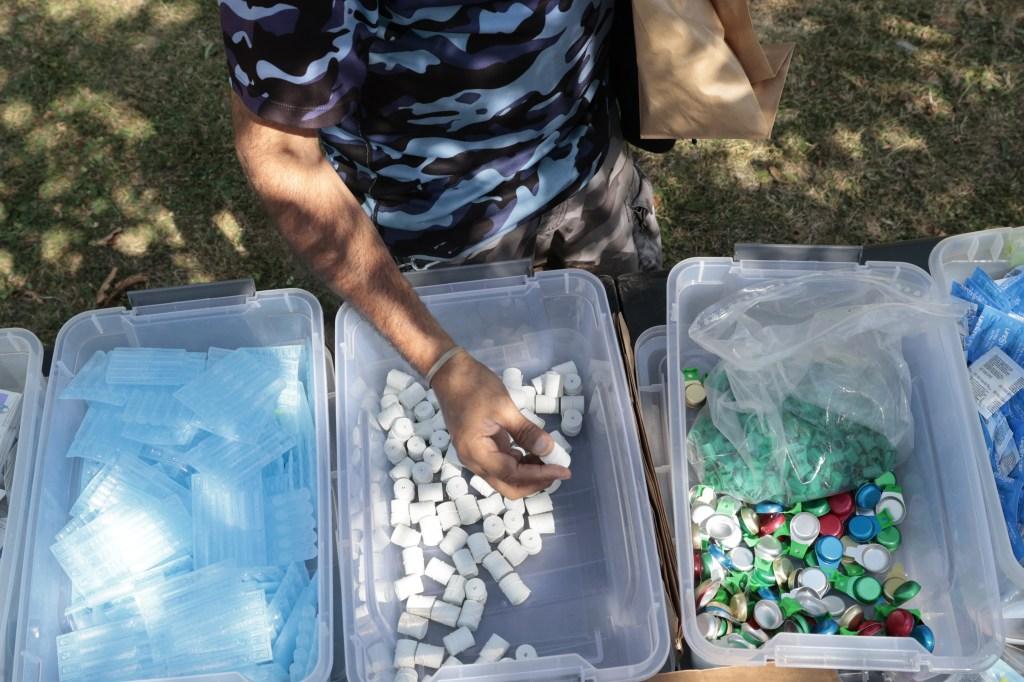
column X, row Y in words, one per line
column 812, row 393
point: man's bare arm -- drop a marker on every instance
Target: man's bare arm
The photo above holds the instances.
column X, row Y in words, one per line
column 325, row 225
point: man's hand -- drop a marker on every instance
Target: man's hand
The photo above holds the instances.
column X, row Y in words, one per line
column 481, row 419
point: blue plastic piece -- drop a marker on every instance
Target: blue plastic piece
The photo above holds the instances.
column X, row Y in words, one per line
column 228, row 521
column 99, row 437
column 235, row 397
column 155, row 417
column 291, row 527
column 123, row 541
column 126, row 480
column 296, row 417
column 232, row 460
column 153, row 366
column 292, row 586
column 767, row 593
column 90, row 383
column 305, row 609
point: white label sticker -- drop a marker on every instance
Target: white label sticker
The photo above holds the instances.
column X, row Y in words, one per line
column 995, row 378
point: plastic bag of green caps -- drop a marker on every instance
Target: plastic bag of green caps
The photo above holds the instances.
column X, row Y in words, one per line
column 812, row 392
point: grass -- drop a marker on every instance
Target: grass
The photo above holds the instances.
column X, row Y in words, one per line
column 901, row 119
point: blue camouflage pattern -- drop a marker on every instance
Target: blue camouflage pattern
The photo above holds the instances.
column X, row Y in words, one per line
column 452, row 122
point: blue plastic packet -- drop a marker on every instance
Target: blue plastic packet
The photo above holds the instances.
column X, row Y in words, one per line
column 993, row 329
column 1012, row 286
column 1004, row 456
column 982, row 286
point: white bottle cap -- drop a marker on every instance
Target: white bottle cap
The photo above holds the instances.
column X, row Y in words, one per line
column 472, row 612
column 456, row 487
column 465, row 564
column 455, row 590
column 572, row 384
column 454, row 540
column 497, row 565
column 459, row 640
column 430, row 527
column 469, row 510
column 525, row 652
column 431, row 492
column 476, row 590
column 434, row 458
column 494, row 528
column 514, row 588
column 531, row 541
column 404, row 489
column 539, row 503
column 421, row 472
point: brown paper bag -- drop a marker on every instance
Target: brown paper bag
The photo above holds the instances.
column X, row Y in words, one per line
column 702, row 71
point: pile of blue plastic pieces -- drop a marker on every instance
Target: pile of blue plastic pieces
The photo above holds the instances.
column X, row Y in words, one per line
column 193, row 529
column 996, row 320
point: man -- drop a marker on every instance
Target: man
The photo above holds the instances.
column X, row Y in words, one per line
column 438, row 131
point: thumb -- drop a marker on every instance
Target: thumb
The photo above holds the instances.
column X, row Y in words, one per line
column 528, row 435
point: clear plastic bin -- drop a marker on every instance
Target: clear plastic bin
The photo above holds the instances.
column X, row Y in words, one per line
column 953, row 260
column 189, row 318
column 597, row 608
column 21, row 370
column 946, row 544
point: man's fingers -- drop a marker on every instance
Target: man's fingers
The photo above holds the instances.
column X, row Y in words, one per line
column 528, row 435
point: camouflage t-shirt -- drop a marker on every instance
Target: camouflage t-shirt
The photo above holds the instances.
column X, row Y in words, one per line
column 452, row 121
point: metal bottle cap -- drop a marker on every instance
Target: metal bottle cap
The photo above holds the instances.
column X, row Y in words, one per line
column 815, row 579
column 749, row 519
column 836, row 605
column 720, row 526
column 701, row 512
column 829, row 550
column 841, row 504
column 702, row 493
column 813, row 606
column 706, row 592
column 804, row 528
column 754, row 633
column 739, row 607
column 866, row 589
column 707, row 625
column 694, row 394
column 892, row 503
column 899, row 623
column 924, row 636
column 771, row 523
column 768, row 548
column 851, row 618
column 905, row 592
column 831, row 525
column 742, row 559
column 768, row 615
column 870, row 628
column 874, row 557
column 861, row 528
column 890, row 585
column 868, row 495
column 782, row 568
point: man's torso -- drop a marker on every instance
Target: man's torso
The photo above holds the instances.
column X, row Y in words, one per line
column 453, row 122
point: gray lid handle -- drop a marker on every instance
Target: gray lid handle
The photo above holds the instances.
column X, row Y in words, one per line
column 798, row 252
column 145, row 298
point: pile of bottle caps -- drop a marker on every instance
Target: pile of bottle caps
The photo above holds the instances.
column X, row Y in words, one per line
column 825, row 566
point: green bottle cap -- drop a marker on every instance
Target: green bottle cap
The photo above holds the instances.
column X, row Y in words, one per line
column 817, row 507
column 691, row 374
column 801, row 622
column 866, row 590
column 844, row 631
column 887, row 479
column 889, row 538
column 906, row 592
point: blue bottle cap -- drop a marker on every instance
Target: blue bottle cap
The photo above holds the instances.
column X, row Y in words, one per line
column 868, row 495
column 774, row 507
column 862, row 528
column 829, row 550
column 719, row 556
column 924, row 636
column 827, row 627
column 767, row 593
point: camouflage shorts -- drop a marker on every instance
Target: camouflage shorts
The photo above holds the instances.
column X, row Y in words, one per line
column 608, row 227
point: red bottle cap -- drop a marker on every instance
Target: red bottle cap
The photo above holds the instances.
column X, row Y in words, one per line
column 771, row 523
column 698, row 568
column 831, row 525
column 841, row 504
column 869, row 628
column 899, row 623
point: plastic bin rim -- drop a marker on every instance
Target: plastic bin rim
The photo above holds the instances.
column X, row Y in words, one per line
column 592, row 280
